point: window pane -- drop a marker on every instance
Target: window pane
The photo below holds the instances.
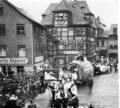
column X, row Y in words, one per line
column 55, row 32
column 59, row 38
column 64, row 38
column 3, row 51
column 79, row 31
column 2, row 29
column 21, row 50
column 61, row 47
column 1, row 9
column 65, row 23
column 64, row 33
column 70, row 37
column 64, row 29
column 61, row 19
column 20, row 29
column 78, row 38
column 70, row 32
column 56, row 23
column 60, row 14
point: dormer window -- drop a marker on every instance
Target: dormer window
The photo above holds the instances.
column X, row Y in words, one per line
column 61, row 19
column 1, row 9
column 88, row 17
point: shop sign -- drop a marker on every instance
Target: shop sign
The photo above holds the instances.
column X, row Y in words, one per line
column 39, row 59
column 13, row 60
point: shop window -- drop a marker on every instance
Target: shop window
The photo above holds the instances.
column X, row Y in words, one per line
column 21, row 29
column 2, row 29
column 1, row 10
column 21, row 50
column 3, row 51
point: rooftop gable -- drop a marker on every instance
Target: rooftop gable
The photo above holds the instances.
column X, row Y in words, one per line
column 62, row 6
column 77, row 14
column 82, row 5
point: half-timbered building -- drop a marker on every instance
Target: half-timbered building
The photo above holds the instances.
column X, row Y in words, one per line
column 73, row 26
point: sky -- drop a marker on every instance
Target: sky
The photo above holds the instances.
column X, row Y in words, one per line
column 106, row 9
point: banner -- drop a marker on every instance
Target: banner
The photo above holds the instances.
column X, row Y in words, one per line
column 13, row 60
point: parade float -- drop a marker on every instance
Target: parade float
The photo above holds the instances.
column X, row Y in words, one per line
column 83, row 70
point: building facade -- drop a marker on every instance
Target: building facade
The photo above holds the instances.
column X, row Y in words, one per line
column 113, row 41
column 74, row 28
column 102, row 44
column 21, row 40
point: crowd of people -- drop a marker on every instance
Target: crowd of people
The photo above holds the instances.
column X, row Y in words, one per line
column 16, row 90
column 103, row 65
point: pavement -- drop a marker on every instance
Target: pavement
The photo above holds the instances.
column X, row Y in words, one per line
column 104, row 93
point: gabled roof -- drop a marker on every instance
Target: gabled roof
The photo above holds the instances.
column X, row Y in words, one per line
column 112, row 27
column 82, row 5
column 62, row 6
column 50, row 8
column 77, row 14
column 22, row 12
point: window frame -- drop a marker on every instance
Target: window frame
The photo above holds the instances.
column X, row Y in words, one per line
column 5, row 49
column 2, row 30
column 1, row 9
column 60, row 20
column 69, row 44
column 17, row 29
column 80, row 46
column 21, row 47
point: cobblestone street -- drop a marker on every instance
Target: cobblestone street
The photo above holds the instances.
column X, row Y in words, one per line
column 104, row 94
